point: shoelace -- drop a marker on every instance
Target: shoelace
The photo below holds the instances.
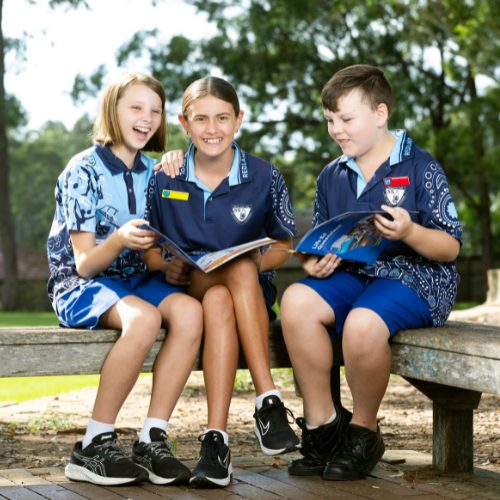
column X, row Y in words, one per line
column 113, row 450
column 162, row 449
column 285, row 412
column 211, row 445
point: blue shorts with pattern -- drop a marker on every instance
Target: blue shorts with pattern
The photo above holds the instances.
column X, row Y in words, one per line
column 83, row 307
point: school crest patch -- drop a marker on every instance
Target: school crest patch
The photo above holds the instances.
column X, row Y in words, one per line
column 241, row 213
column 395, row 190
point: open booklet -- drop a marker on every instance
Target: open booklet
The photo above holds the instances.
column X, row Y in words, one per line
column 351, row 236
column 210, row 261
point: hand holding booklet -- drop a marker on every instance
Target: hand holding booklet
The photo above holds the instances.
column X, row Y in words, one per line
column 210, row 261
column 351, row 236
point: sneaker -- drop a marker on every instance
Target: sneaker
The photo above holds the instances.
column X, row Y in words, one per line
column 357, row 455
column 103, row 462
column 273, row 429
column 318, row 444
column 214, row 468
column 158, row 460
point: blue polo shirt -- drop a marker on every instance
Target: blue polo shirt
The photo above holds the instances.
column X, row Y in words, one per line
column 251, row 202
column 412, row 179
column 95, row 193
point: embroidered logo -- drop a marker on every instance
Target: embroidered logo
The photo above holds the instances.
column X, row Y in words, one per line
column 264, row 429
column 241, row 213
column 395, row 190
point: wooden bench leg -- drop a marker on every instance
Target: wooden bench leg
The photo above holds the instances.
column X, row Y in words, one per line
column 452, row 426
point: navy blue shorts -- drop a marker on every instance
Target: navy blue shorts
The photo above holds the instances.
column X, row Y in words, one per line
column 397, row 304
column 83, row 307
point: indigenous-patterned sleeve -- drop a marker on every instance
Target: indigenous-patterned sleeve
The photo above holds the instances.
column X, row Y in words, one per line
column 153, row 214
column 434, row 201
column 81, row 192
column 320, row 211
column 282, row 224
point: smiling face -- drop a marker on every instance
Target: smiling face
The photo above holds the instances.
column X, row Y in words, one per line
column 356, row 126
column 212, row 123
column 139, row 111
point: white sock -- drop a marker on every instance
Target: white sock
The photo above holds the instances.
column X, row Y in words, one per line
column 225, row 435
column 95, row 428
column 149, row 423
column 260, row 399
column 329, row 421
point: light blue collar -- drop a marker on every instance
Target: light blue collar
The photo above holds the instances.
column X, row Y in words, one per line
column 394, row 157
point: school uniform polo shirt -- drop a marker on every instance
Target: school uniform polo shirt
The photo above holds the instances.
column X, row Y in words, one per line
column 95, row 193
column 251, row 202
column 412, row 179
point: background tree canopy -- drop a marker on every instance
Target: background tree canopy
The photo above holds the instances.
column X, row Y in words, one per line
column 441, row 57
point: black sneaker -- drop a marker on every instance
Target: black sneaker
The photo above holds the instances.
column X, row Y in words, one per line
column 214, row 468
column 357, row 455
column 157, row 458
column 272, row 427
column 103, row 462
column 319, row 444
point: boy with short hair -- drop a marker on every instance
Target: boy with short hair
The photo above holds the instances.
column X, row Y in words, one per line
column 412, row 284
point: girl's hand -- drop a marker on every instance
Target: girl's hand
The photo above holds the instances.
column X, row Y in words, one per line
column 178, row 272
column 398, row 228
column 171, row 162
column 257, row 258
column 319, row 266
column 137, row 239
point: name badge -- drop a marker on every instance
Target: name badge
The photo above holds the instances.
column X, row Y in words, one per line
column 175, row 195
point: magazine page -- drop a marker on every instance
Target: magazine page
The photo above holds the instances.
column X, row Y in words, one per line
column 351, row 235
column 209, row 261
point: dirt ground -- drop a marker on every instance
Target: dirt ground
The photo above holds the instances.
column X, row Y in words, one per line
column 41, row 433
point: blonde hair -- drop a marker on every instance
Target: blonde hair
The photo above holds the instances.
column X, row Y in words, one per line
column 370, row 80
column 106, row 128
column 210, row 85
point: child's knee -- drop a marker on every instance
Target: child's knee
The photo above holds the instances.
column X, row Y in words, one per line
column 144, row 328
column 218, row 301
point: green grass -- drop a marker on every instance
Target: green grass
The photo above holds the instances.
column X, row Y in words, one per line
column 24, row 318
column 23, row 388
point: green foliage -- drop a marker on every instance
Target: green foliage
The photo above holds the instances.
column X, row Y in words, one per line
column 23, row 318
column 37, row 161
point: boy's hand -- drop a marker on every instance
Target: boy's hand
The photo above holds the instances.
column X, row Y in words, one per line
column 137, row 239
column 171, row 162
column 319, row 266
column 178, row 272
column 397, row 227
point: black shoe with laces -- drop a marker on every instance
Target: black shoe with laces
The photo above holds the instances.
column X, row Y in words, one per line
column 272, row 427
column 103, row 462
column 158, row 460
column 214, row 468
column 357, row 455
column 318, row 444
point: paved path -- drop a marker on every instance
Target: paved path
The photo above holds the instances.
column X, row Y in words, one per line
column 257, row 478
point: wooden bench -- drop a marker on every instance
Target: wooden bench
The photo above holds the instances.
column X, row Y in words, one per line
column 451, row 365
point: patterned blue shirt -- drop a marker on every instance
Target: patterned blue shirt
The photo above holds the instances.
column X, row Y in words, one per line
column 95, row 193
column 412, row 179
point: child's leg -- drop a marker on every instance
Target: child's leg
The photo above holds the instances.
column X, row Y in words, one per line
column 367, row 359
column 220, row 354
column 304, row 317
column 140, row 323
column 182, row 316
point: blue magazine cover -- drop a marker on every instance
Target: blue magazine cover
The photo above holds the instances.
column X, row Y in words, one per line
column 351, row 235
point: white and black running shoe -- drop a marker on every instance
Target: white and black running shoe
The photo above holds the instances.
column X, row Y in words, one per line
column 214, row 468
column 272, row 427
column 103, row 462
column 158, row 460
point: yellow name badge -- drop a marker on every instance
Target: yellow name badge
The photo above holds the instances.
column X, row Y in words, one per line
column 175, row 195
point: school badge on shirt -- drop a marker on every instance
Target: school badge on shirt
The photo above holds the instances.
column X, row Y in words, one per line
column 241, row 213
column 395, row 189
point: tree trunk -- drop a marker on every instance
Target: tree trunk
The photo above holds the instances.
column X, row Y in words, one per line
column 7, row 233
